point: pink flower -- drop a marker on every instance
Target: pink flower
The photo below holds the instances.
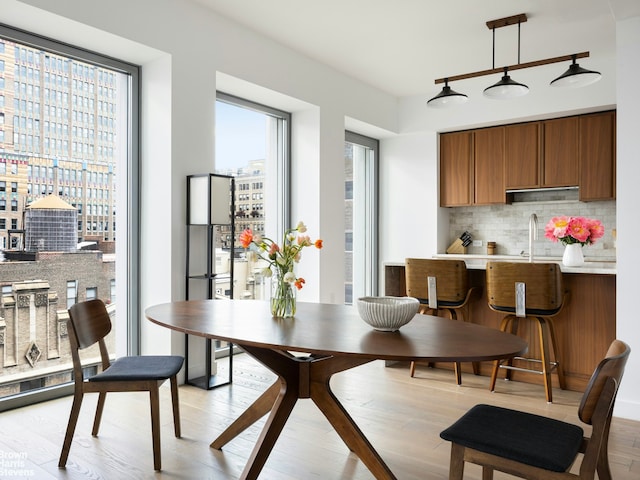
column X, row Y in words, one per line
column 568, row 230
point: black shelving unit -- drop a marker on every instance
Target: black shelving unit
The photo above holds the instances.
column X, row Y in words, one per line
column 210, row 207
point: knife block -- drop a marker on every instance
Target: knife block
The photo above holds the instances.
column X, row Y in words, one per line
column 456, row 247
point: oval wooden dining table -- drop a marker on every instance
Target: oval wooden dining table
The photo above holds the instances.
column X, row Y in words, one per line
column 331, row 338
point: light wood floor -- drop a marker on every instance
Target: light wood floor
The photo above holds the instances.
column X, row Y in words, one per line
column 401, row 416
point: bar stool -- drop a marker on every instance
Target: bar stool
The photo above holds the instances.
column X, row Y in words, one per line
column 530, row 291
column 441, row 286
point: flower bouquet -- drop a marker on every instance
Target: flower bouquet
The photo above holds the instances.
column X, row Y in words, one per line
column 570, row 230
column 573, row 233
column 281, row 259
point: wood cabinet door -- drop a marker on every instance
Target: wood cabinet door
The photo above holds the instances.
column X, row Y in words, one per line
column 597, row 156
column 522, row 156
column 456, row 162
column 560, row 167
column 489, row 166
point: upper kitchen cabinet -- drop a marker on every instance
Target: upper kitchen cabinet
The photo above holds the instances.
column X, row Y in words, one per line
column 488, row 151
column 560, row 152
column 597, row 156
column 456, row 169
column 522, row 156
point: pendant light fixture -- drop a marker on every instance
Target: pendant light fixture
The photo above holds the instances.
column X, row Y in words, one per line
column 507, row 88
column 576, row 76
column 447, row 97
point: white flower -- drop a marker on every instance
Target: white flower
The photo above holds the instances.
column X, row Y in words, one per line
column 266, row 272
column 301, row 227
column 289, row 277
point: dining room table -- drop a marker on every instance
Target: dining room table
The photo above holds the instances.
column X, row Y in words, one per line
column 307, row 350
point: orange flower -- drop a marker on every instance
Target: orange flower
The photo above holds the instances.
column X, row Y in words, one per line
column 246, row 237
column 281, row 258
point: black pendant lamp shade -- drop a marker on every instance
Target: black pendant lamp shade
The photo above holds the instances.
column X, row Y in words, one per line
column 506, row 88
column 576, row 76
column 447, row 97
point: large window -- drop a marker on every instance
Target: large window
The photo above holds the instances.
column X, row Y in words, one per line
column 361, row 229
column 252, row 144
column 65, row 110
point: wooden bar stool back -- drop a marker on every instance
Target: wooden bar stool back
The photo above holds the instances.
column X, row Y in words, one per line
column 530, row 291
column 441, row 286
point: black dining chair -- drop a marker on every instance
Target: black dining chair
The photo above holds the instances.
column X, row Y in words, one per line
column 88, row 324
column 537, row 447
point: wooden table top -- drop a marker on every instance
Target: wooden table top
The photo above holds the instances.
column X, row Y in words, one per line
column 336, row 330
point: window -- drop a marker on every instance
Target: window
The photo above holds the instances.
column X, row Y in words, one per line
column 361, row 250
column 72, row 293
column 39, row 101
column 252, row 144
column 92, row 293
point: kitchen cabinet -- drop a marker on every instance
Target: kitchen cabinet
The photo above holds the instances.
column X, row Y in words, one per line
column 456, row 169
column 522, row 156
column 488, row 148
column 472, row 167
column 560, row 152
column 542, row 154
column 478, row 166
column 597, row 156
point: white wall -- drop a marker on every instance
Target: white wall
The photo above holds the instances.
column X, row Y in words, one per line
column 628, row 175
column 185, row 50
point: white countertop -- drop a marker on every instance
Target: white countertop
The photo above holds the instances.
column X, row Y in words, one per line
column 479, row 262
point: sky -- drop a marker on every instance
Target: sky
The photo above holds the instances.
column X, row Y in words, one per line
column 240, row 136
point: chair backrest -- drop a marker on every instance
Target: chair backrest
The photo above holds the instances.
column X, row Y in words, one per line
column 90, row 321
column 612, row 366
column 543, row 286
column 452, row 282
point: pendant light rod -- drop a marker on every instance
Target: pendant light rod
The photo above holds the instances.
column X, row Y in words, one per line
column 517, row 66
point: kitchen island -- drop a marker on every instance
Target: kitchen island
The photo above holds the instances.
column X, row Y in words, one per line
column 585, row 327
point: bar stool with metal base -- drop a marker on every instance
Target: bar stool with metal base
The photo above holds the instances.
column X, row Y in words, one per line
column 440, row 285
column 528, row 291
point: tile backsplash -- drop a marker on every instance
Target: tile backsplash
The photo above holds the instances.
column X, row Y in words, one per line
column 508, row 225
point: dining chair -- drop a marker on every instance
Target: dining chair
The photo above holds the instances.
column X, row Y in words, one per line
column 88, row 324
column 532, row 292
column 441, row 285
column 538, row 447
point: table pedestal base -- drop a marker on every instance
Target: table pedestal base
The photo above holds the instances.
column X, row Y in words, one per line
column 300, row 377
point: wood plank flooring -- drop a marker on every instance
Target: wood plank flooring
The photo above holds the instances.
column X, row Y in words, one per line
column 401, row 416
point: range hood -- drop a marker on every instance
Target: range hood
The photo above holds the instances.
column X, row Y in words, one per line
column 542, row 190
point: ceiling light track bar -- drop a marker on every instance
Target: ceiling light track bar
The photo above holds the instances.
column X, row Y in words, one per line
column 518, row 66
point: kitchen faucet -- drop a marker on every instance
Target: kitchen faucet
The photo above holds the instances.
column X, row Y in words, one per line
column 533, row 234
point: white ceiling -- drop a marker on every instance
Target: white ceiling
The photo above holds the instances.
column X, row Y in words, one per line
column 402, row 46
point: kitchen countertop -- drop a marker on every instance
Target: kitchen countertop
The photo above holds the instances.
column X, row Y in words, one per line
column 603, row 266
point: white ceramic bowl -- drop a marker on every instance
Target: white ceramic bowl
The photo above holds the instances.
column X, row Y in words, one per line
column 387, row 314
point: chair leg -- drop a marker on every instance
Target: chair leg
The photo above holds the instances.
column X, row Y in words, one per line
column 412, row 369
column 155, row 427
column 71, row 428
column 176, row 406
column 487, row 473
column 458, row 372
column 556, row 355
column 496, row 364
column 102, row 396
column 543, row 334
column 456, row 464
column 602, row 467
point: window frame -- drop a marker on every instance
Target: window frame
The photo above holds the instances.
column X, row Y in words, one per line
column 131, row 288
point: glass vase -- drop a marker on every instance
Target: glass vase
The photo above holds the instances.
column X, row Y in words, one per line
column 283, row 297
column 573, row 256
